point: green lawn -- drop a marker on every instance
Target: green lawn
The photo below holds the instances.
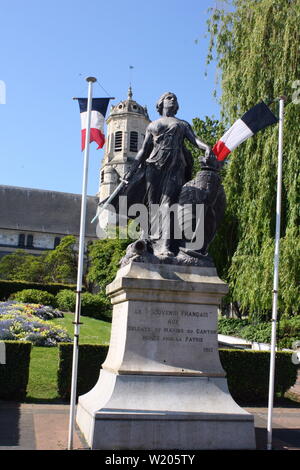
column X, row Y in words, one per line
column 42, row 374
column 42, row 385
column 92, row 331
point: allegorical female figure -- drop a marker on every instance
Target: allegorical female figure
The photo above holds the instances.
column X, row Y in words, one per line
column 168, row 164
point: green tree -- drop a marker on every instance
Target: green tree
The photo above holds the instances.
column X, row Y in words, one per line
column 104, row 256
column 61, row 263
column 256, row 46
column 22, row 266
column 209, row 130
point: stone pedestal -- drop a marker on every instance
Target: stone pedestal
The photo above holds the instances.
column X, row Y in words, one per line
column 162, row 385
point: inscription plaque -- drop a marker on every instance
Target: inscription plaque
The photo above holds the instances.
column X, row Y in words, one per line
column 173, row 327
column 167, row 338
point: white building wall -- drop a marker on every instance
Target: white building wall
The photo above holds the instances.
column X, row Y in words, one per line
column 9, row 241
column 40, row 240
column 8, row 237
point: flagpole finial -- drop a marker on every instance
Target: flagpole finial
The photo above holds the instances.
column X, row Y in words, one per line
column 91, row 79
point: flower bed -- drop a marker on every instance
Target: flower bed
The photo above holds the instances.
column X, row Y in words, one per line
column 28, row 322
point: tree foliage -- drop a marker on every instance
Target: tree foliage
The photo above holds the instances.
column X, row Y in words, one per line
column 208, row 130
column 22, row 266
column 104, row 256
column 256, row 45
column 59, row 265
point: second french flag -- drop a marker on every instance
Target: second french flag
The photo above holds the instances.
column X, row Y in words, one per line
column 254, row 120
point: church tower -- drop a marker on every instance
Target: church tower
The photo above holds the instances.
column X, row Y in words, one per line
column 126, row 126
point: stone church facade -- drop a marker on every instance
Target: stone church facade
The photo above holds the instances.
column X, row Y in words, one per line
column 35, row 219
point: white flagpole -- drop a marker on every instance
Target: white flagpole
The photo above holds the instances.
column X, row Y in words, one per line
column 90, row 81
column 276, row 274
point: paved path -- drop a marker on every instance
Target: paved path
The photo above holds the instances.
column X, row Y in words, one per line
column 286, row 428
column 45, row 427
column 31, row 426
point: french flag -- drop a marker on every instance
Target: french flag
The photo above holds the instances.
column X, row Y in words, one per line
column 99, row 108
column 254, row 120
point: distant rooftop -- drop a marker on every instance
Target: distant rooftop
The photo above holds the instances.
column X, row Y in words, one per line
column 40, row 210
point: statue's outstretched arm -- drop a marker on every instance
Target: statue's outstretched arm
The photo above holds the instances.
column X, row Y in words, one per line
column 195, row 141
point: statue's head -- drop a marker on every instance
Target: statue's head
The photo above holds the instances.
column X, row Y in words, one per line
column 167, row 100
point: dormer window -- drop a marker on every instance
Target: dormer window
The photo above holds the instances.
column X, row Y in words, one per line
column 118, row 141
column 133, row 141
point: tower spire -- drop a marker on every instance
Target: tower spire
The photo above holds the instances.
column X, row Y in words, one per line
column 129, row 92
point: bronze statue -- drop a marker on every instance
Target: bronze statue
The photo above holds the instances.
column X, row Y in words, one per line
column 161, row 175
column 168, row 164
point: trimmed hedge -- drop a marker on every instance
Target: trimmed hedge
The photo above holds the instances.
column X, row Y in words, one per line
column 15, row 373
column 92, row 305
column 35, row 296
column 247, row 371
column 9, row 287
column 96, row 306
column 66, row 300
column 90, row 358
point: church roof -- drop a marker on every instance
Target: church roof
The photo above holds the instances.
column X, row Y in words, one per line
column 129, row 106
column 39, row 210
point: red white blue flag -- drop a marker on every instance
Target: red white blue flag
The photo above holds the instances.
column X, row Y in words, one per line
column 254, row 120
column 99, row 108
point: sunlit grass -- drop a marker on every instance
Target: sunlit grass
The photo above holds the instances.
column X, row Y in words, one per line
column 42, row 384
column 92, row 331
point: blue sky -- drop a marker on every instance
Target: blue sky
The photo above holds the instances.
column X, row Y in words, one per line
column 49, row 47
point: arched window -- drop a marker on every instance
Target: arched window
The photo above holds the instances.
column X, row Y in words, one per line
column 118, row 141
column 133, row 141
column 21, row 241
column 56, row 241
column 29, row 243
column 102, row 177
